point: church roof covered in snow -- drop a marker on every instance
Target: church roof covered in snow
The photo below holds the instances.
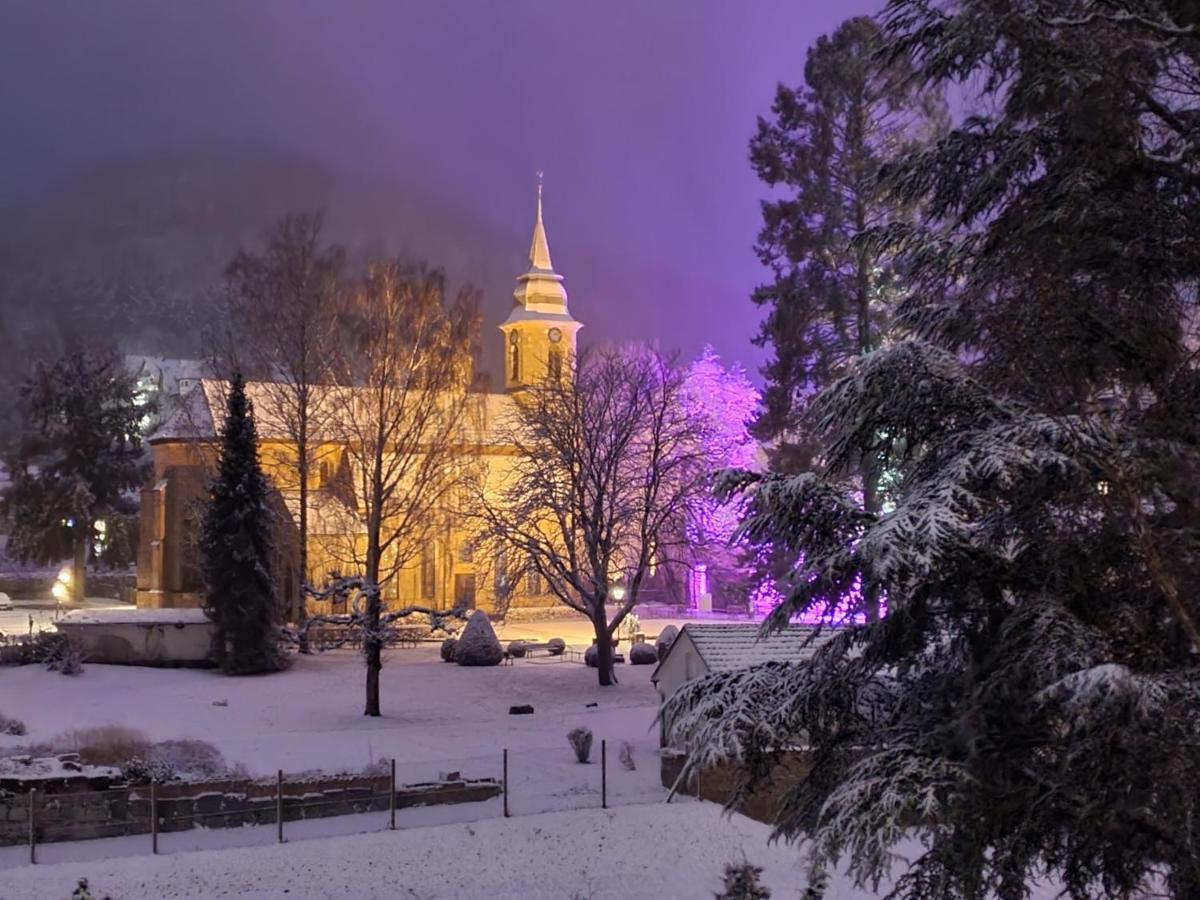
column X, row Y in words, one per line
column 202, row 411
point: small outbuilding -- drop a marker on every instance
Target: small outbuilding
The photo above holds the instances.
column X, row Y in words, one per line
column 705, row 647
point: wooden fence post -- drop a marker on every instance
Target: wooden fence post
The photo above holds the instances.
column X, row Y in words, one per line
column 392, row 797
column 279, row 804
column 506, row 782
column 603, row 773
column 32, row 828
column 154, row 817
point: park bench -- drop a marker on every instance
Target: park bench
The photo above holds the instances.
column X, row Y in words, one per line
column 548, row 649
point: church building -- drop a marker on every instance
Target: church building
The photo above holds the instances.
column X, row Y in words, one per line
column 539, row 338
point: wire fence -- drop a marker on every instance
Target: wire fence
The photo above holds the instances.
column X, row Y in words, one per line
column 393, row 794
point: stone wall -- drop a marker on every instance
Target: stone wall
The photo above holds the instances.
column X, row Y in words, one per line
column 716, row 783
column 84, row 815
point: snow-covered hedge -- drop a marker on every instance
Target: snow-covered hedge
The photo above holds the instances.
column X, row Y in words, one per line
column 478, row 644
column 643, row 655
column 666, row 638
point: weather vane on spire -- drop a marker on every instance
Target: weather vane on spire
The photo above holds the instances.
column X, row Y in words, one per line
column 540, row 175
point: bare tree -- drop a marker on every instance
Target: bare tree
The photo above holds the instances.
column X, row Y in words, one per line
column 609, row 471
column 283, row 313
column 409, row 425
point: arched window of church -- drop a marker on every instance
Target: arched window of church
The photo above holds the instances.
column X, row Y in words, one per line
column 554, row 365
column 514, row 356
column 428, row 572
column 533, row 581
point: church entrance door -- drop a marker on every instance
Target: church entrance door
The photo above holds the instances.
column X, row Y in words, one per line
column 464, row 591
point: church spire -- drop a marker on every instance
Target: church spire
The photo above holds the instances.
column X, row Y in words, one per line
column 539, row 250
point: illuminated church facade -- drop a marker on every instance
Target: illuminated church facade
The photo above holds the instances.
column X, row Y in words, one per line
column 539, row 338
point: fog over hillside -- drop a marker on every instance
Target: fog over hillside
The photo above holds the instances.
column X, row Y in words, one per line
column 135, row 251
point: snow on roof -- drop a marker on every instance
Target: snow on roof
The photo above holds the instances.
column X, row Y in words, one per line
column 134, row 617
column 192, row 419
column 725, row 646
column 202, row 411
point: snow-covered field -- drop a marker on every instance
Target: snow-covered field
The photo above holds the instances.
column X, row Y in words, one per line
column 437, row 718
column 309, row 717
column 672, row 852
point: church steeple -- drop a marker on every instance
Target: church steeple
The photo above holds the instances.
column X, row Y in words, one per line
column 539, row 333
column 539, row 251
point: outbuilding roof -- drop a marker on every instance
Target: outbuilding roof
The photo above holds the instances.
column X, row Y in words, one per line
column 726, row 646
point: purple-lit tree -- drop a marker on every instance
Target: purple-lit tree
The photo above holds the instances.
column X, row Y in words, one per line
column 724, row 401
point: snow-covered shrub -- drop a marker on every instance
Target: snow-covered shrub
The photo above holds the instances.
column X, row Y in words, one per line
column 818, row 884
column 103, row 745
column 643, row 655
column 741, row 883
column 448, row 647
column 666, row 638
column 83, row 892
column 516, row 649
column 190, row 759
column 55, row 651
column 14, row 727
column 556, row 646
column 630, row 626
column 591, row 657
column 580, row 740
column 137, row 770
column 625, row 756
column 478, row 644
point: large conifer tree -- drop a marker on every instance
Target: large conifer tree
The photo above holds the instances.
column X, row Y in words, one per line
column 832, row 294
column 1031, row 703
column 239, row 591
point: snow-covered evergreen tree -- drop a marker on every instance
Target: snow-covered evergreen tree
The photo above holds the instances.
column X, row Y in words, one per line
column 235, row 547
column 1029, row 704
column 77, row 461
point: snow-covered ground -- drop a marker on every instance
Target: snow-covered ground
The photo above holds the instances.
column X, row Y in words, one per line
column 310, row 717
column 670, row 852
column 663, row 851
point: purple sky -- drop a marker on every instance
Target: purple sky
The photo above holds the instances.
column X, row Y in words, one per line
column 638, row 111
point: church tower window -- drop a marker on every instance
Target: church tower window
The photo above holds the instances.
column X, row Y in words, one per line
column 554, row 365
column 514, row 358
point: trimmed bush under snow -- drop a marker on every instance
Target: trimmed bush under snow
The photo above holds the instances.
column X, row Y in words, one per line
column 643, row 655
column 449, row 645
column 666, row 638
column 478, row 644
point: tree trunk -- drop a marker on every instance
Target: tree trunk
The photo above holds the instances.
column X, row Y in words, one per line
column 300, row 613
column 79, row 564
column 374, row 653
column 604, row 651
column 372, row 647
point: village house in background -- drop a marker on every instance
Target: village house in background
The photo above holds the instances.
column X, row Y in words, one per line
column 539, row 339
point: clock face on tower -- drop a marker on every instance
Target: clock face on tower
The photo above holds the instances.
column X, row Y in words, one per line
column 555, row 335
